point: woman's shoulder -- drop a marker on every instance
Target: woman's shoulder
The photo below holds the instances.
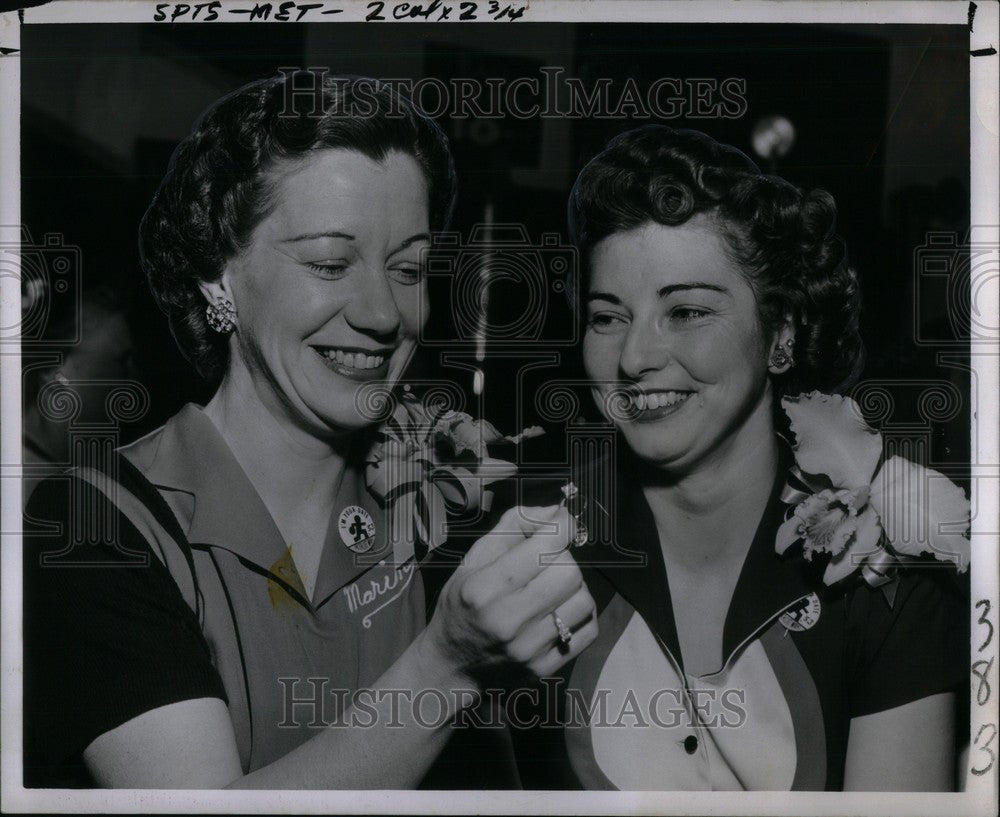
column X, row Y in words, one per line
column 189, row 421
column 907, row 639
column 94, row 477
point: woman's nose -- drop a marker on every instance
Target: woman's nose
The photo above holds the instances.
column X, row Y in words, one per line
column 373, row 309
column 645, row 350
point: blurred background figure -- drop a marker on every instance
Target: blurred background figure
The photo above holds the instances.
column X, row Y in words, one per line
column 100, row 360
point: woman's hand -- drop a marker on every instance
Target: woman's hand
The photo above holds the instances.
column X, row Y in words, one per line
column 495, row 613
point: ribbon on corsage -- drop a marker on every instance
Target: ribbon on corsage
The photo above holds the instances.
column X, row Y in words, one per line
column 864, row 515
column 427, row 464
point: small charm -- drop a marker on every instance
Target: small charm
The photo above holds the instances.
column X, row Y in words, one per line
column 574, row 502
column 357, row 528
column 803, row 616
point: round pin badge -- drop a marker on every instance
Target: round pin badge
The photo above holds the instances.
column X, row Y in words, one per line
column 803, row 615
column 357, row 528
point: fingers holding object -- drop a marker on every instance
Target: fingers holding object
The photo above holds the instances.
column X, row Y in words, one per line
column 520, row 563
column 545, row 545
column 517, row 525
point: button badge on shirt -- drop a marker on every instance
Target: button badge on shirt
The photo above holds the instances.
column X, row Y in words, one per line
column 357, row 528
column 803, row 615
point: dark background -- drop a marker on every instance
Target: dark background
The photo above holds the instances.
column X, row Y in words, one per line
column 881, row 114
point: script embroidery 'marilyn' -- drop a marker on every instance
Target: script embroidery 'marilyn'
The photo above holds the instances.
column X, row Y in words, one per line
column 376, row 589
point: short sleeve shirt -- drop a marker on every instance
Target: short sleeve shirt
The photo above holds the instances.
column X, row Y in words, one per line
column 131, row 623
column 800, row 661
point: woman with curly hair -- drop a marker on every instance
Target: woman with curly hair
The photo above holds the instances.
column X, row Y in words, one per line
column 712, row 291
column 225, row 607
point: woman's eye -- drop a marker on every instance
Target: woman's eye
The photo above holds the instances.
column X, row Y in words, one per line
column 688, row 313
column 605, row 322
column 327, row 269
column 407, row 273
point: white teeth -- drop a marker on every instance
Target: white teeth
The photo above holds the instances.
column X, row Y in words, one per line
column 658, row 399
column 356, row 360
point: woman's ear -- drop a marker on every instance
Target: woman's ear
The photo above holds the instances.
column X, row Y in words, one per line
column 217, row 290
column 220, row 311
column 782, row 354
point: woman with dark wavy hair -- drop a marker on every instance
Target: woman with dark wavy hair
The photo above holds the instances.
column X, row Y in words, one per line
column 711, row 292
column 237, row 612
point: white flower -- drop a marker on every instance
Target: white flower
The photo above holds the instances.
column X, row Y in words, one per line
column 919, row 510
column 833, row 438
column 922, row 511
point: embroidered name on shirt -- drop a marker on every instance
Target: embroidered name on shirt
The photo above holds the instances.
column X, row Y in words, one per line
column 376, row 589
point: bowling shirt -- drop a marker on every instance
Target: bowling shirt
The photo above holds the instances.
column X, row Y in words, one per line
column 131, row 620
column 800, row 661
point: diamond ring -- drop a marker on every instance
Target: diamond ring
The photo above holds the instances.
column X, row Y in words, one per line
column 565, row 634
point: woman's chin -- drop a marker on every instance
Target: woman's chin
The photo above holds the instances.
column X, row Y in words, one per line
column 653, row 450
column 344, row 415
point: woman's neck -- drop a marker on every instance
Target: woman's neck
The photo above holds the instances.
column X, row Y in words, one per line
column 710, row 514
column 289, row 467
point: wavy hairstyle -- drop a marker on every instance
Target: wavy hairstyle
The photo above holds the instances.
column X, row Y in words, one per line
column 783, row 239
column 219, row 185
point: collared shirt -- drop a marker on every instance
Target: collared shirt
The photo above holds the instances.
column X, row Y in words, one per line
column 800, row 660
column 230, row 619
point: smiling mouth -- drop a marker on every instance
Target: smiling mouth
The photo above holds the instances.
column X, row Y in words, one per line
column 645, row 406
column 361, row 364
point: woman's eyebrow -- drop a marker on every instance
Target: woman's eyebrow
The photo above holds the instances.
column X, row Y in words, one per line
column 603, row 296
column 413, row 239
column 320, row 234
column 663, row 292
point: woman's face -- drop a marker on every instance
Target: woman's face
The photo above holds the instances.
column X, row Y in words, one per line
column 673, row 321
column 330, row 294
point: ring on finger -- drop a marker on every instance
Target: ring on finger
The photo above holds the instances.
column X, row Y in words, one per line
column 565, row 634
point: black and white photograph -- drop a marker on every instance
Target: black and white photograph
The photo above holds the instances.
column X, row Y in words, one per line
column 500, row 407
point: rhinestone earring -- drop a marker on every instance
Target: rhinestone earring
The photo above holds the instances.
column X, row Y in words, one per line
column 221, row 315
column 781, row 357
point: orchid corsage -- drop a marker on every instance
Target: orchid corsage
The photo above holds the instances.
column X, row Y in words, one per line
column 429, row 463
column 864, row 515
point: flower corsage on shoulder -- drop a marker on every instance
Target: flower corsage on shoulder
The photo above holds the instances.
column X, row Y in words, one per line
column 429, row 463
column 867, row 512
